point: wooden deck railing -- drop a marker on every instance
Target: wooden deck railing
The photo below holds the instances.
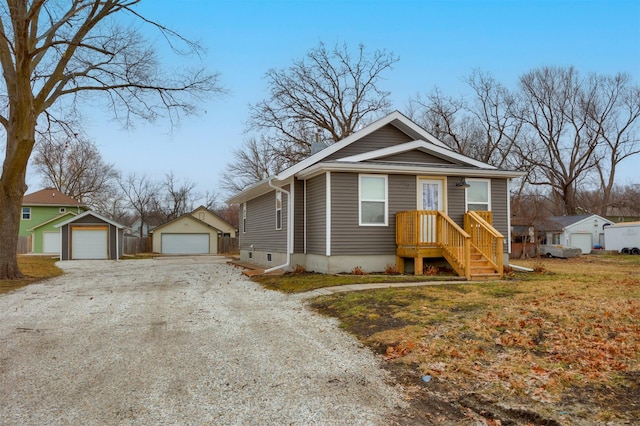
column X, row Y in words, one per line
column 433, row 233
column 485, row 238
column 429, row 228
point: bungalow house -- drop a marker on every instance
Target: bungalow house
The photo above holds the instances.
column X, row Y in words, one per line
column 41, row 211
column 580, row 231
column 389, row 194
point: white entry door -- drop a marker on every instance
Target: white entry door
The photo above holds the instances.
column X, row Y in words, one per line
column 430, row 194
column 430, row 197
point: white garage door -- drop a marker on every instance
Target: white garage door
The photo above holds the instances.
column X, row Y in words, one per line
column 51, row 242
column 185, row 243
column 89, row 243
column 582, row 241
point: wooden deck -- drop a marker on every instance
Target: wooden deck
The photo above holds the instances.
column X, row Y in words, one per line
column 474, row 252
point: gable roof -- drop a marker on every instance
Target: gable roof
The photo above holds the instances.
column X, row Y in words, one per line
column 183, row 216
column 561, row 222
column 90, row 213
column 49, row 197
column 214, row 214
column 422, row 140
column 53, row 219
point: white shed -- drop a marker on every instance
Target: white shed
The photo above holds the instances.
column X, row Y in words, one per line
column 584, row 231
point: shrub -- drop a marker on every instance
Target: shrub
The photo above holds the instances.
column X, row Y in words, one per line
column 358, row 271
column 391, row 269
column 299, row 269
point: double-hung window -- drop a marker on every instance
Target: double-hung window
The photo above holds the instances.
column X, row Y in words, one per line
column 479, row 195
column 26, row 213
column 373, row 200
column 278, row 210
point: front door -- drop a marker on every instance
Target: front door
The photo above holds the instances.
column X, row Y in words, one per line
column 430, row 197
column 430, row 194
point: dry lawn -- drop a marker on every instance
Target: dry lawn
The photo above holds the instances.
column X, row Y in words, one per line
column 562, row 342
column 34, row 268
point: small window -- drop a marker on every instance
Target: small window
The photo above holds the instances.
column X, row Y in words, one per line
column 244, row 218
column 26, row 213
column 268, row 257
column 278, row 210
column 373, row 200
column 479, row 195
column 62, row 210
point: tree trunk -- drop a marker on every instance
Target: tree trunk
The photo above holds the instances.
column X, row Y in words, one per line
column 10, row 209
column 20, row 142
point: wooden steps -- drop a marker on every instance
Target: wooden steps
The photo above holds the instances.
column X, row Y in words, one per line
column 481, row 268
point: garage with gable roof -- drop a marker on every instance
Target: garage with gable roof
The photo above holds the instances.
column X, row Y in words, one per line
column 185, row 235
column 91, row 236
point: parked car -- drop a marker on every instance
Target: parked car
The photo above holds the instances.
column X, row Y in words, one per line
column 550, row 250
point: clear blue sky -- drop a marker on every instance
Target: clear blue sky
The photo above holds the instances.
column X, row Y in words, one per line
column 438, row 42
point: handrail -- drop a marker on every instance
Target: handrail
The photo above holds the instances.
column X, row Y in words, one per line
column 431, row 228
column 486, row 239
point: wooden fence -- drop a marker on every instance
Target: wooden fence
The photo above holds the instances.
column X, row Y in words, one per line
column 24, row 245
column 228, row 245
column 135, row 245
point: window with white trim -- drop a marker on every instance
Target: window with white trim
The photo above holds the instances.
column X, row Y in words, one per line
column 373, row 200
column 244, row 218
column 278, row 210
column 26, row 213
column 479, row 195
column 62, row 210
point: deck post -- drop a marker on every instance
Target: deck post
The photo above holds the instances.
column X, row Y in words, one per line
column 417, row 265
column 400, row 264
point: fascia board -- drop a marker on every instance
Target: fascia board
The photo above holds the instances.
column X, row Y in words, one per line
column 404, row 169
column 92, row 213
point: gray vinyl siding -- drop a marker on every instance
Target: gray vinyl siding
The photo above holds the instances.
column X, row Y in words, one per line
column 382, row 138
column 347, row 236
column 316, row 215
column 115, row 237
column 261, row 224
column 499, row 201
column 455, row 201
column 415, row 156
column 298, row 214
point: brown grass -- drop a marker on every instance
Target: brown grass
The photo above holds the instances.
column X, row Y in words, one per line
column 571, row 330
column 35, row 268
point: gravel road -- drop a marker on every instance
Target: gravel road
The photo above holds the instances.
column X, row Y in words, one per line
column 178, row 341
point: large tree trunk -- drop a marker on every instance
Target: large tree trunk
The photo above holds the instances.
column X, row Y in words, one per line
column 10, row 209
column 20, row 141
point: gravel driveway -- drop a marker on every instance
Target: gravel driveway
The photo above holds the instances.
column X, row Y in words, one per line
column 178, row 341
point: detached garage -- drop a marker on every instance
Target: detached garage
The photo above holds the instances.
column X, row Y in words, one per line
column 185, row 235
column 91, row 236
column 582, row 232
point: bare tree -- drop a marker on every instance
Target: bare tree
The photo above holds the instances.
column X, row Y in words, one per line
column 178, row 197
column 557, row 108
column 485, row 128
column 332, row 91
column 256, row 160
column 615, row 118
column 74, row 167
column 142, row 193
column 582, row 129
column 51, row 53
